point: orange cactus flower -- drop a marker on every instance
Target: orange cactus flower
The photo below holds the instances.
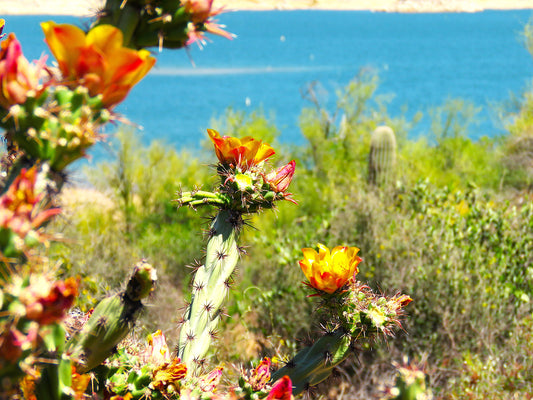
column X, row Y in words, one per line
column 18, row 78
column 329, row 271
column 97, row 60
column 243, row 153
column 168, row 375
column 79, row 384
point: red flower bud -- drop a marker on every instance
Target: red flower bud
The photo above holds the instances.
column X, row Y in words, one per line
column 281, row 178
column 281, row 390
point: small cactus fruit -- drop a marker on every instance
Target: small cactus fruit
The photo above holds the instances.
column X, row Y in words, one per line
column 210, row 288
column 382, row 157
column 111, row 320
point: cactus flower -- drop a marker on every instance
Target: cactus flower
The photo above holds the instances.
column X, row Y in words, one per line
column 243, row 153
column 19, row 206
column 166, row 376
column 48, row 301
column 260, row 375
column 157, row 351
column 329, row 271
column 97, row 60
column 281, row 390
column 18, row 78
column 210, row 381
column 79, row 383
column 13, row 342
column 281, row 178
column 201, row 13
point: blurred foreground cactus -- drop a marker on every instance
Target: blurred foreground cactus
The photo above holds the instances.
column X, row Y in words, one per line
column 51, row 117
column 382, row 157
column 162, row 23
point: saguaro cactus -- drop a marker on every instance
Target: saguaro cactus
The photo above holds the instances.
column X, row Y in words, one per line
column 382, row 157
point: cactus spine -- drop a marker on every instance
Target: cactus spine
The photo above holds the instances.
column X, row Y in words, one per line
column 112, row 320
column 210, row 287
column 382, row 157
column 314, row 364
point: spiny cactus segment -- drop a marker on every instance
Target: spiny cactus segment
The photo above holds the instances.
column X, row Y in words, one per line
column 244, row 188
column 111, row 320
column 351, row 313
column 210, row 288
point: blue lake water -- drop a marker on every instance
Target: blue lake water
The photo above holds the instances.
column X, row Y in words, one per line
column 422, row 59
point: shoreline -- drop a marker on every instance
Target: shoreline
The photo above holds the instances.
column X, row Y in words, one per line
column 84, row 8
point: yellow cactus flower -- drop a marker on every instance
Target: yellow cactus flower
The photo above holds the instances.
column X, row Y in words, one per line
column 166, row 376
column 97, row 60
column 243, row 153
column 329, row 271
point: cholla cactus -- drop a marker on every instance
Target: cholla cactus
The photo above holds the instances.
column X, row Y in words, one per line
column 50, row 121
column 111, row 320
column 244, row 188
column 352, row 312
column 51, row 118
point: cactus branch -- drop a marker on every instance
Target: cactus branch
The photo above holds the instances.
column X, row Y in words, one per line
column 209, row 289
column 315, row 363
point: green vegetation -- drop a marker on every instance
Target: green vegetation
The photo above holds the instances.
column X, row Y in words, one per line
column 454, row 231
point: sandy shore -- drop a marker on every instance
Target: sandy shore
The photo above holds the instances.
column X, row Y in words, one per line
column 89, row 7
